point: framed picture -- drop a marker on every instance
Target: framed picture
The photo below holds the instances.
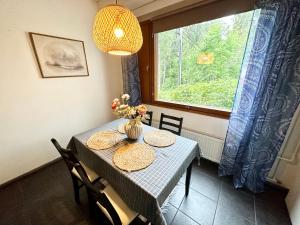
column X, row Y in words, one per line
column 59, row 57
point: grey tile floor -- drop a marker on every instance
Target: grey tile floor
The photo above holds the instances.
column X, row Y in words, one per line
column 46, row 198
column 214, row 201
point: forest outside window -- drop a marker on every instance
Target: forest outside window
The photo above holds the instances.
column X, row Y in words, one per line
column 200, row 65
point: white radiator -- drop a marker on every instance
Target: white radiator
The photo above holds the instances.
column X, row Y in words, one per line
column 211, row 147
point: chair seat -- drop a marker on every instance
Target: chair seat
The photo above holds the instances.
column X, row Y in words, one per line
column 92, row 175
column 126, row 214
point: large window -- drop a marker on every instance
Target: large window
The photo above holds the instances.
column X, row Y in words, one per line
column 200, row 65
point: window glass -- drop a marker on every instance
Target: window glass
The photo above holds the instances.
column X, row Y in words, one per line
column 200, row 65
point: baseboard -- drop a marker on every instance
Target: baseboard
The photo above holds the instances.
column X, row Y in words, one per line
column 29, row 172
column 278, row 187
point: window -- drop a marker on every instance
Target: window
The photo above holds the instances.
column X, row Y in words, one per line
column 199, row 65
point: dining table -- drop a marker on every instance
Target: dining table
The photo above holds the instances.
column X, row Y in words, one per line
column 145, row 190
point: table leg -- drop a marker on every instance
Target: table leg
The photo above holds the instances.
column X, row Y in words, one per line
column 188, row 179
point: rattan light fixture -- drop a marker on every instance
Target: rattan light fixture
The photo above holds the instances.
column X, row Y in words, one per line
column 117, row 31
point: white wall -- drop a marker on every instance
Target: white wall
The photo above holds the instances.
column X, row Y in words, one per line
column 211, row 126
column 288, row 173
column 293, row 198
column 285, row 170
column 33, row 109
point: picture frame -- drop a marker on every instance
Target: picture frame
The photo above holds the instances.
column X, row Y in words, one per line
column 59, row 56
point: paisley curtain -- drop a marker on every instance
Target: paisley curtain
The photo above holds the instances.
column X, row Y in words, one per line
column 131, row 79
column 267, row 96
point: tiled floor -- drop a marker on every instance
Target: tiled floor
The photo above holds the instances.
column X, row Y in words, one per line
column 46, row 197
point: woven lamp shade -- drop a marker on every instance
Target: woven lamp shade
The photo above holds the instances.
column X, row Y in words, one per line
column 117, row 31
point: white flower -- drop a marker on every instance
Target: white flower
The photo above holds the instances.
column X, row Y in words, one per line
column 132, row 112
column 123, row 106
column 125, row 96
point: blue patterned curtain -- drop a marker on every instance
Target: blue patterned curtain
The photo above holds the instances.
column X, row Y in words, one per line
column 131, row 79
column 267, row 96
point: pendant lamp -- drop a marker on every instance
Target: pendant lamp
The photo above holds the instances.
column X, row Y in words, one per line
column 117, row 31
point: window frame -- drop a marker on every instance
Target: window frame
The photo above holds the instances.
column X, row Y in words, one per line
column 147, row 70
column 207, row 10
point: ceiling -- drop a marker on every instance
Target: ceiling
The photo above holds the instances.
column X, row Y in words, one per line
column 145, row 9
column 131, row 4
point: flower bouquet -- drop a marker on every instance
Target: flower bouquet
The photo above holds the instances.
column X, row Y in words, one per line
column 133, row 128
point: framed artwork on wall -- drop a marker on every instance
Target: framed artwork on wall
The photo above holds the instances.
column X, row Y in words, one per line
column 58, row 56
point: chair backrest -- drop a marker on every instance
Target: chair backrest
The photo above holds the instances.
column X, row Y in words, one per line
column 97, row 196
column 166, row 123
column 148, row 121
column 67, row 154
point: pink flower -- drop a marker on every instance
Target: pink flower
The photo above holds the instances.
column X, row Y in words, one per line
column 142, row 109
column 116, row 100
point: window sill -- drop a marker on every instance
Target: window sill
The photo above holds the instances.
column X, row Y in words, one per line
column 193, row 109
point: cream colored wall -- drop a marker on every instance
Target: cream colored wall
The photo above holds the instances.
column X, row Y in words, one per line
column 33, row 109
column 293, row 198
column 285, row 170
column 211, row 126
column 288, row 172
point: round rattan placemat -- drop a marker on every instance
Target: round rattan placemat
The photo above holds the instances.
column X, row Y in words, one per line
column 133, row 157
column 159, row 138
column 103, row 140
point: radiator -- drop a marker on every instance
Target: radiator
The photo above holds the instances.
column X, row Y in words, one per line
column 211, row 147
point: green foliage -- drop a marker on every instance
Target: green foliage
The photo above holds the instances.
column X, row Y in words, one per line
column 210, row 85
column 215, row 93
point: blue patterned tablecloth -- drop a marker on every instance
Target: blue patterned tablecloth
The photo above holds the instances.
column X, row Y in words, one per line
column 146, row 190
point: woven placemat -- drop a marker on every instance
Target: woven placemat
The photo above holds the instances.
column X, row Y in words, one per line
column 121, row 128
column 133, row 157
column 159, row 138
column 103, row 140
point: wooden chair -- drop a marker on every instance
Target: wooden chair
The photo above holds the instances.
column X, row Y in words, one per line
column 149, row 120
column 70, row 159
column 109, row 202
column 167, row 124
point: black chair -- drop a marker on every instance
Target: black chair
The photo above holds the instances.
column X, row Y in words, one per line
column 166, row 123
column 106, row 198
column 148, row 121
column 109, row 202
column 70, row 159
